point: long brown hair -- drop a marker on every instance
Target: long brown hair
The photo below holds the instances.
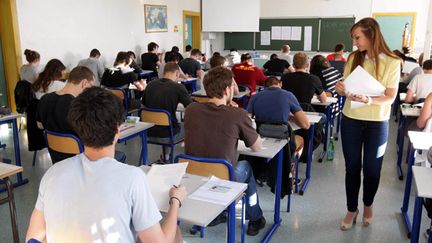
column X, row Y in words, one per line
column 53, row 71
column 371, row 30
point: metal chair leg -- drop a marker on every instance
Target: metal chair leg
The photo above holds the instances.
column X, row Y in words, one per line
column 34, row 158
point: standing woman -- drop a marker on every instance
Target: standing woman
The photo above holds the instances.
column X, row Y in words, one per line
column 29, row 71
column 365, row 130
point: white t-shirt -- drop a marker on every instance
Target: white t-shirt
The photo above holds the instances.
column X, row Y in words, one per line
column 286, row 57
column 53, row 87
column 95, row 201
column 421, row 85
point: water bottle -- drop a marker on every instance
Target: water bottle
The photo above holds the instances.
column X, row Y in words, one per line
column 330, row 150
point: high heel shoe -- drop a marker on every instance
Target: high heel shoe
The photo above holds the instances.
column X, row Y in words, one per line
column 367, row 221
column 344, row 226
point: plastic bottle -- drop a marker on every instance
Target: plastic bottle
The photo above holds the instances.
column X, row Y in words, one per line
column 330, row 150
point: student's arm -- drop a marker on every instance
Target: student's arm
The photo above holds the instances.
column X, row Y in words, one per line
column 319, row 90
column 37, row 228
column 100, row 68
column 425, row 112
column 322, row 97
column 236, row 89
column 409, row 96
column 257, row 146
column 301, row 119
column 184, row 96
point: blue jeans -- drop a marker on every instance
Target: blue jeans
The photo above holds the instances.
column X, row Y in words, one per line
column 369, row 137
column 244, row 174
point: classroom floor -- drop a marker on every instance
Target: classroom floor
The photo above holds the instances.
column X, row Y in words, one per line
column 314, row 217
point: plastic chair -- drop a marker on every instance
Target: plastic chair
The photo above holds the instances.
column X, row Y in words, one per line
column 217, row 167
column 63, row 142
column 162, row 118
column 123, row 95
column 200, row 98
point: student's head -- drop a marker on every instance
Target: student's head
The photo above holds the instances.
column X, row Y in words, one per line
column 97, row 124
column 233, row 50
column 272, row 81
column 32, row 56
column 217, row 61
column 339, row 48
column 196, row 53
column 218, row 83
column 216, row 54
column 285, row 49
column 300, row 60
column 122, row 58
column 427, row 65
column 131, row 54
column 95, row 53
column 368, row 39
column 53, row 71
column 318, row 63
column 171, row 57
column 171, row 71
column 81, row 76
column 151, row 47
column 175, row 49
column 273, row 56
column 246, row 57
column 188, row 48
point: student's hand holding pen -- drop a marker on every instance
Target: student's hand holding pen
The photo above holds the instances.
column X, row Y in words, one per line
column 177, row 194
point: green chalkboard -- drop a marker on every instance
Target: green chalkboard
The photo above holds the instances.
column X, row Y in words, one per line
column 335, row 30
column 324, row 36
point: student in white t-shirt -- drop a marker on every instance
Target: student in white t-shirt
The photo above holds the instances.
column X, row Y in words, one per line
column 421, row 85
column 91, row 197
column 49, row 79
column 285, row 54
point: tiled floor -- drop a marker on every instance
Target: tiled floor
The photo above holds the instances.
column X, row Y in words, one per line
column 314, row 217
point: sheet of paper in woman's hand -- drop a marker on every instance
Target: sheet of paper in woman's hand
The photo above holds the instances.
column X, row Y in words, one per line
column 362, row 83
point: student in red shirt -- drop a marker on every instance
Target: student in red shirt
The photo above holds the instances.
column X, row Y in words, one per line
column 247, row 73
column 337, row 55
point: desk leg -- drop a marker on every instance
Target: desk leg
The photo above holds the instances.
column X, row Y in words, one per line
column 400, row 139
column 231, row 223
column 404, row 209
column 144, row 151
column 12, row 209
column 328, row 119
column 277, row 219
column 20, row 181
column 244, row 98
column 309, row 160
column 417, row 219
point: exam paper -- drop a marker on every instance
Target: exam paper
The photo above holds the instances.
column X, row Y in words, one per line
column 362, row 83
column 161, row 179
column 218, row 191
column 409, row 66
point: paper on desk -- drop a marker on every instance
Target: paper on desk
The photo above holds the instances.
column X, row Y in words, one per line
column 218, row 191
column 409, row 66
column 161, row 179
column 362, row 83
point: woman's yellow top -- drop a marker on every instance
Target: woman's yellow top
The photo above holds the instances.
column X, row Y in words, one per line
column 388, row 76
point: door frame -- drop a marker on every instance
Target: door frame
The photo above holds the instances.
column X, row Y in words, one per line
column 196, row 28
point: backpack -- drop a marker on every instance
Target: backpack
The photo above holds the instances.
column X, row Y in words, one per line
column 23, row 94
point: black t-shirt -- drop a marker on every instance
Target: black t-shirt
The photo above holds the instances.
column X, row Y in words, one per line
column 190, row 66
column 115, row 79
column 179, row 56
column 149, row 61
column 302, row 85
column 165, row 94
column 276, row 65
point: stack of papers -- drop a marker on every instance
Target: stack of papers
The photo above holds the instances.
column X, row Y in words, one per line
column 218, row 191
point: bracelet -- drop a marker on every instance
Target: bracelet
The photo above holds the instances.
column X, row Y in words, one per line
column 171, row 198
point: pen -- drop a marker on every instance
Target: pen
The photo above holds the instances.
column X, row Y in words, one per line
column 175, row 186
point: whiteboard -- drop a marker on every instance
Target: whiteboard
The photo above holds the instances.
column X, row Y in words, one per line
column 230, row 15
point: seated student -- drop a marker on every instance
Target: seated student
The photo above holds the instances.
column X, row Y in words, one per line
column 121, row 75
column 94, row 64
column 112, row 200
column 337, row 54
column 421, row 85
column 53, row 108
column 233, row 57
column 302, row 84
column 207, row 63
column 220, row 61
column 188, row 49
column 247, row 73
column 166, row 94
column 176, row 52
column 285, row 54
column 150, row 60
column 406, row 51
column 170, row 57
column 136, row 68
column 191, row 66
column 418, row 70
column 30, row 71
column 49, row 79
column 212, row 130
column 328, row 75
column 276, row 66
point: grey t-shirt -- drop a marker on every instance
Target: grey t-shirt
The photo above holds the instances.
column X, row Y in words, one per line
column 92, row 201
column 28, row 72
column 96, row 66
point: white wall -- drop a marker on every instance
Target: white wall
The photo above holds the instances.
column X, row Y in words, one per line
column 338, row 8
column 69, row 29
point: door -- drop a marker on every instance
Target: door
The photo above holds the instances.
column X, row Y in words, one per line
column 3, row 91
column 191, row 29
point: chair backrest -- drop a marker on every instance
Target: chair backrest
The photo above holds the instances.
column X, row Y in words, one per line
column 158, row 117
column 200, row 99
column 63, row 142
column 207, row 167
